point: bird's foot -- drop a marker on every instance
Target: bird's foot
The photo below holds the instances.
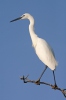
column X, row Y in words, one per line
column 55, row 87
column 37, row 82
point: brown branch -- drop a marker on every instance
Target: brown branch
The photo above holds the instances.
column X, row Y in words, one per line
column 26, row 80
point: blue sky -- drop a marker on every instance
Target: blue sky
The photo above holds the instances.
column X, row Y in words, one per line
column 17, row 56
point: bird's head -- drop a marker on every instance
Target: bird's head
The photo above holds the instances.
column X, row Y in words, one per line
column 24, row 16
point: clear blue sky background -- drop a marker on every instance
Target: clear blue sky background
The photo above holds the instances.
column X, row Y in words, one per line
column 17, row 57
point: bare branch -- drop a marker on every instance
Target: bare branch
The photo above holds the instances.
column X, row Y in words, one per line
column 26, row 80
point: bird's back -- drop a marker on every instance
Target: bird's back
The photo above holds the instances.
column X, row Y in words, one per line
column 45, row 53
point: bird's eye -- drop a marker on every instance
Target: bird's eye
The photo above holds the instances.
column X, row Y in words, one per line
column 23, row 15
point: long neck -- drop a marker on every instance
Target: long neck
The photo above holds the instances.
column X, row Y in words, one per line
column 31, row 31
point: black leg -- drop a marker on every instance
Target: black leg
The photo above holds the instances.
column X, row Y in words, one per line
column 43, row 72
column 38, row 81
column 54, row 79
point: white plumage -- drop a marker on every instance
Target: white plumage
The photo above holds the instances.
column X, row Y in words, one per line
column 42, row 48
column 45, row 54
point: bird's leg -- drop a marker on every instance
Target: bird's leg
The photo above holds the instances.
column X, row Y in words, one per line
column 54, row 80
column 38, row 81
column 42, row 72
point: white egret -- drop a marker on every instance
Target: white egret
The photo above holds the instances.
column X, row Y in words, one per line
column 42, row 48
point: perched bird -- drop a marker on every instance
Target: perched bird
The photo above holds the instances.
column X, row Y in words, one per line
column 42, row 48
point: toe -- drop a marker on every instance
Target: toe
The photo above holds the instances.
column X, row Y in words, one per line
column 55, row 86
column 37, row 82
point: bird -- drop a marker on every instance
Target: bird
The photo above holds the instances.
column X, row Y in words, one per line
column 42, row 49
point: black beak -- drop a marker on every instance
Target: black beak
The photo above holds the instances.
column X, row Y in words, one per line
column 16, row 19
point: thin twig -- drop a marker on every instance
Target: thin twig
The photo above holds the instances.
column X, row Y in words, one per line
column 26, row 80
